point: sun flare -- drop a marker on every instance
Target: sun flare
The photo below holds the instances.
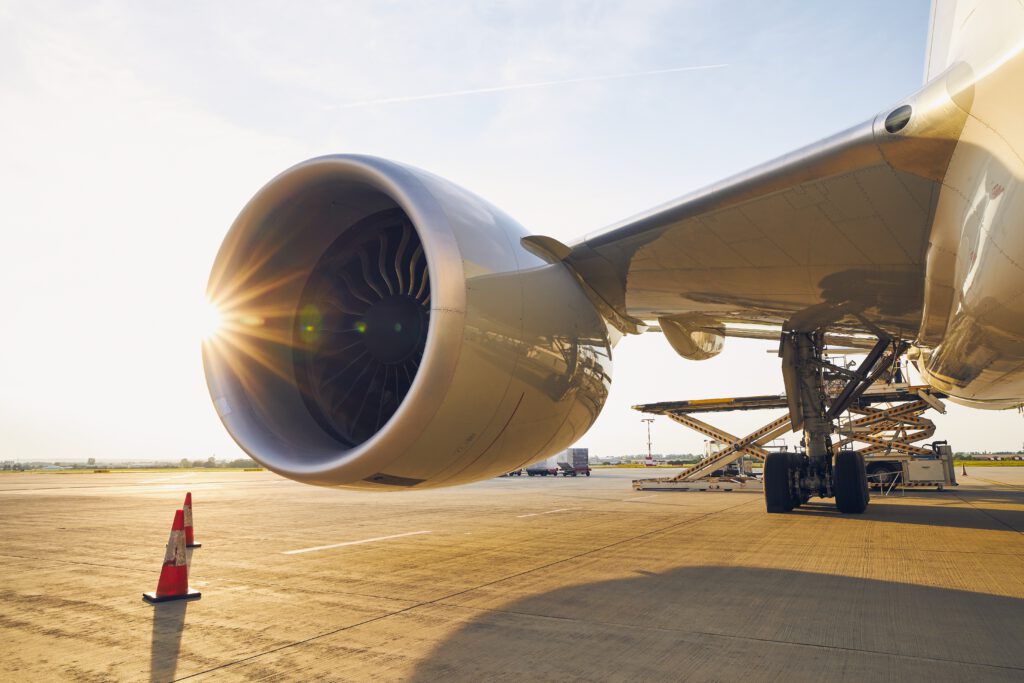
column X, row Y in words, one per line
column 209, row 320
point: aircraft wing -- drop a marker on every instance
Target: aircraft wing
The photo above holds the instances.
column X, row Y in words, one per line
column 835, row 233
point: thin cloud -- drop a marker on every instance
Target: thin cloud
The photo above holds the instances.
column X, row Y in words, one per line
column 521, row 86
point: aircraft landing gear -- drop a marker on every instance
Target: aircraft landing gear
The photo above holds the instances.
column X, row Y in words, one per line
column 784, row 476
column 791, row 479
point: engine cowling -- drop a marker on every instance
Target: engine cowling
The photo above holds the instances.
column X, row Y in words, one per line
column 384, row 328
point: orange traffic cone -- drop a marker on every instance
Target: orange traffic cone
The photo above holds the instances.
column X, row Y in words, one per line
column 190, row 539
column 173, row 584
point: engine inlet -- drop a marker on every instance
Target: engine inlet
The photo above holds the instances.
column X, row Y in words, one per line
column 361, row 326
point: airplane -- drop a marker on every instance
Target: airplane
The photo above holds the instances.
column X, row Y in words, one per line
column 384, row 329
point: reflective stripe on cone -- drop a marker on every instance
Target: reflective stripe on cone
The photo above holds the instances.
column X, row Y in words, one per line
column 190, row 540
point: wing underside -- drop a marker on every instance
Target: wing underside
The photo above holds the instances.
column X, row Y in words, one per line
column 833, row 234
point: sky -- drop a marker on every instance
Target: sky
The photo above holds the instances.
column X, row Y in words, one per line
column 131, row 135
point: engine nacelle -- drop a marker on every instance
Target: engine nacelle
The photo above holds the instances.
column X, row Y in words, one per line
column 384, row 328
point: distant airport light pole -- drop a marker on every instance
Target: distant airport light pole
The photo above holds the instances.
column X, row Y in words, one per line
column 648, row 420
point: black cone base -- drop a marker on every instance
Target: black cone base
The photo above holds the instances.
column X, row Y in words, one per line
column 153, row 598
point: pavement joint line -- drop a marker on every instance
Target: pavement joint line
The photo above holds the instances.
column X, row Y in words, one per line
column 131, row 484
column 663, row 629
column 990, row 515
column 359, row 542
column 424, row 603
column 237, row 584
column 212, row 580
column 999, row 483
column 549, row 512
column 857, row 650
column 656, row 495
column 77, row 562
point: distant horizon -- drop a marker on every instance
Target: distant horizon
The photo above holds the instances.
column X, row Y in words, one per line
column 175, row 462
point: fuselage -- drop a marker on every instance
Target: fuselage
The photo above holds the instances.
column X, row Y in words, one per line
column 972, row 331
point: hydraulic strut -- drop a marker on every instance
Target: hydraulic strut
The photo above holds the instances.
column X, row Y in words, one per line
column 791, row 480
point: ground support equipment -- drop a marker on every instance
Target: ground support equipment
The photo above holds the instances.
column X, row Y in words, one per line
column 889, row 456
column 697, row 477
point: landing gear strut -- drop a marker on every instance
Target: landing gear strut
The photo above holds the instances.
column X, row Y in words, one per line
column 791, row 479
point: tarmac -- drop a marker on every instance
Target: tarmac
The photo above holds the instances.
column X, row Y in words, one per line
column 510, row 579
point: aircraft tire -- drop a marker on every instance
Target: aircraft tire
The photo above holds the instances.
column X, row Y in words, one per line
column 850, row 483
column 777, row 495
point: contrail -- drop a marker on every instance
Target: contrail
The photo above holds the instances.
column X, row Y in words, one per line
column 522, row 86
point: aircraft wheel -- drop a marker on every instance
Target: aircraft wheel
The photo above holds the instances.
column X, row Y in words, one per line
column 865, row 485
column 777, row 494
column 850, row 482
column 798, row 497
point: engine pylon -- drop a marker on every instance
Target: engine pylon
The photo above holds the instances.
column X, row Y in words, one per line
column 173, row 583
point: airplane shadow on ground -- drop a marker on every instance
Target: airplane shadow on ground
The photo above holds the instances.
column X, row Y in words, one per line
column 735, row 623
column 961, row 510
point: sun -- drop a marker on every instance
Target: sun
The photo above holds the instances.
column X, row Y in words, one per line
column 208, row 319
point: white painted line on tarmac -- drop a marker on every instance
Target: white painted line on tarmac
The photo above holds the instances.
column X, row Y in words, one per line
column 341, row 545
column 630, row 500
column 153, row 481
column 549, row 512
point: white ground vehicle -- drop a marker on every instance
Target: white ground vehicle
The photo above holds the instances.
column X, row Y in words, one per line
column 905, row 469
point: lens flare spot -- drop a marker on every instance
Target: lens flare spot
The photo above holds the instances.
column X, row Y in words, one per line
column 361, row 327
column 310, row 322
column 398, row 327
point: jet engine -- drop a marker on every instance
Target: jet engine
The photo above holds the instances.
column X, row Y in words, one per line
column 383, row 328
